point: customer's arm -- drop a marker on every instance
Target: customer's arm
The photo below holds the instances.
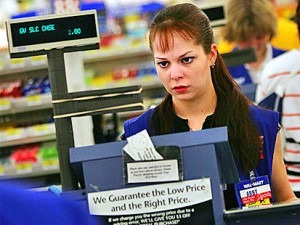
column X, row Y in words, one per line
column 281, row 187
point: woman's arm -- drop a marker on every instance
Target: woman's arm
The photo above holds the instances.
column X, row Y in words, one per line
column 282, row 190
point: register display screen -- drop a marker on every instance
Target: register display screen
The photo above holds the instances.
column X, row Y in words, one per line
column 52, row 31
column 215, row 12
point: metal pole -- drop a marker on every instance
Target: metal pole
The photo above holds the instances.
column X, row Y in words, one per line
column 63, row 126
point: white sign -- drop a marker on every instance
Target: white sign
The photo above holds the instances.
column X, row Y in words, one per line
column 153, row 171
column 148, row 199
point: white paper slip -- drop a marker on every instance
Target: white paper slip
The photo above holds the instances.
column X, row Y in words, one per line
column 140, row 147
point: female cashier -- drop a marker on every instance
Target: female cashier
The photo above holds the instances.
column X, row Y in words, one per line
column 201, row 94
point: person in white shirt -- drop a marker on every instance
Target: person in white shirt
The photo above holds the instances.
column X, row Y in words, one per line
column 282, row 77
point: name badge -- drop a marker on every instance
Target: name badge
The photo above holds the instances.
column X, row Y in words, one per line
column 255, row 192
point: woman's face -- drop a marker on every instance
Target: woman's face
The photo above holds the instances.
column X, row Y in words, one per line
column 184, row 69
column 259, row 43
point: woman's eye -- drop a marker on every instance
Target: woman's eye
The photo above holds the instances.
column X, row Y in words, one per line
column 163, row 64
column 187, row 59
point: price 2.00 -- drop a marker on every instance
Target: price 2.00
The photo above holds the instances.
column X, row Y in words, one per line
column 75, row 31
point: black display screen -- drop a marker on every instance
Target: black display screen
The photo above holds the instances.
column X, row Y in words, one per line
column 53, row 30
column 215, row 13
column 38, row 35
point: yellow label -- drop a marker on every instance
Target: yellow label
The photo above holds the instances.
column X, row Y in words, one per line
column 38, row 58
column 1, row 170
column 17, row 62
column 50, row 164
column 4, row 104
column 259, row 203
column 266, row 201
column 148, row 78
column 33, row 98
column 13, row 131
column 41, row 127
column 24, row 167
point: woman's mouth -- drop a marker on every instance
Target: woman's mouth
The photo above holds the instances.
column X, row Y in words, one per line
column 180, row 89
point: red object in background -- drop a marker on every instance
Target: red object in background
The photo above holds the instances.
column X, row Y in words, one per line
column 16, row 89
column 106, row 40
column 124, row 73
column 12, row 89
column 25, row 154
column 132, row 72
column 117, row 74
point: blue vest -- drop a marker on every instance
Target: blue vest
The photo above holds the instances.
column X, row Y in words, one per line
column 266, row 122
column 240, row 73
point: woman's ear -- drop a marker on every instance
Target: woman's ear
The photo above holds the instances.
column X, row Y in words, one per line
column 213, row 53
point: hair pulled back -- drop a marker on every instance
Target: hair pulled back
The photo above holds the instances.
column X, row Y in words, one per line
column 232, row 110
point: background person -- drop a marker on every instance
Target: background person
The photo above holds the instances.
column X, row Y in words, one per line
column 251, row 24
column 282, row 76
column 286, row 30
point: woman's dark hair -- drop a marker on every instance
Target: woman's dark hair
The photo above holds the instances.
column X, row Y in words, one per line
column 232, row 108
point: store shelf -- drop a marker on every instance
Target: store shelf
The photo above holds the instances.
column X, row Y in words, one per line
column 148, row 83
column 24, row 69
column 28, row 140
column 115, row 54
column 89, row 57
column 24, row 110
column 25, row 104
column 31, row 108
column 36, row 173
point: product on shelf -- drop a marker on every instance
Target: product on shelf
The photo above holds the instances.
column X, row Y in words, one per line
column 25, row 154
column 124, row 73
column 36, row 86
column 29, row 158
column 24, row 158
column 48, row 156
column 11, row 89
column 139, row 74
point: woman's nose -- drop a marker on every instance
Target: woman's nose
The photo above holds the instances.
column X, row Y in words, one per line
column 175, row 72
